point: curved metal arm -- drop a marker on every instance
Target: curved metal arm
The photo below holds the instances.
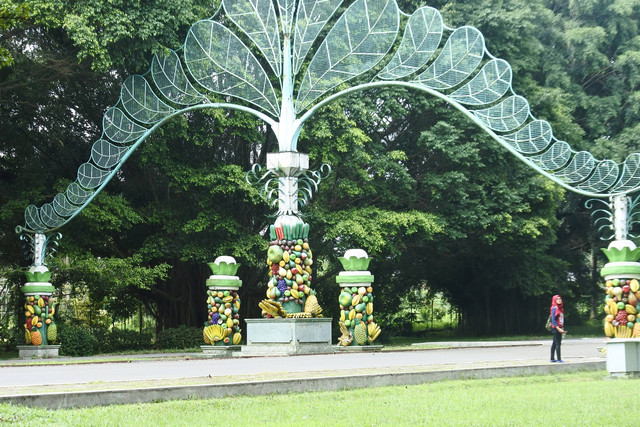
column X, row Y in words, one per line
column 139, row 141
column 464, row 111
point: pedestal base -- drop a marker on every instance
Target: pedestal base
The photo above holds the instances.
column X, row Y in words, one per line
column 357, row 348
column 623, row 356
column 38, row 351
column 285, row 337
column 219, row 350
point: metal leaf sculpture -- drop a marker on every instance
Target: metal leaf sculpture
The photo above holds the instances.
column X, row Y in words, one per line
column 271, row 62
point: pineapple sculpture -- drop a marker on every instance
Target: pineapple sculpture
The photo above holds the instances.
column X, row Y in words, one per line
column 356, row 300
column 622, row 286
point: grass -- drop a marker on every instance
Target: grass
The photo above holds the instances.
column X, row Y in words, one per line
column 12, row 354
column 566, row 399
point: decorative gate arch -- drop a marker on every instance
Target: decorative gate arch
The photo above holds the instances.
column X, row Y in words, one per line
column 370, row 43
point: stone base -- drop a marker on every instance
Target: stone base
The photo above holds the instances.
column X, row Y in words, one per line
column 285, row 337
column 623, row 356
column 357, row 348
column 38, row 351
column 219, row 350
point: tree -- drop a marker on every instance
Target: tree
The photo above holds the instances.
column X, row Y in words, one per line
column 427, row 195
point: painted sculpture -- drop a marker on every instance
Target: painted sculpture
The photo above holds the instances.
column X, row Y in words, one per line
column 40, row 328
column 622, row 273
column 289, row 257
column 40, row 307
column 222, row 327
column 356, row 300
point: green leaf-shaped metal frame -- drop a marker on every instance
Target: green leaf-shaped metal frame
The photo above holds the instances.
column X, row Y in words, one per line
column 448, row 63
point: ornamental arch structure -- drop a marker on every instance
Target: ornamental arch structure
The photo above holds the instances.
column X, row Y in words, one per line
column 283, row 60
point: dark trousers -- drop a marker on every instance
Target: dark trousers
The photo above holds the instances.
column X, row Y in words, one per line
column 555, row 346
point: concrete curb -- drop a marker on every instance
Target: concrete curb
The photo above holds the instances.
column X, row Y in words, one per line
column 64, row 400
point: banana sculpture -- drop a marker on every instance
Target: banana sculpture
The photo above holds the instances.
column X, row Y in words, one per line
column 274, row 309
column 373, row 331
column 347, row 337
column 214, row 333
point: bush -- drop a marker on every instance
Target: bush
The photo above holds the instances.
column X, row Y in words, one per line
column 180, row 337
column 76, row 341
column 126, row 339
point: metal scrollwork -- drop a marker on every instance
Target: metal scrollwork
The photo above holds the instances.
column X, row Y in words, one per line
column 273, row 186
column 38, row 248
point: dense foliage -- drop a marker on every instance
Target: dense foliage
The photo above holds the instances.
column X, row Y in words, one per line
column 438, row 204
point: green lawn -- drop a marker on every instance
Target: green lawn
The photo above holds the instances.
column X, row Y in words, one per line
column 567, row 399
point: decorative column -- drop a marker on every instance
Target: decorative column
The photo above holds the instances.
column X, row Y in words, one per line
column 288, row 183
column 290, row 273
column 40, row 329
column 222, row 333
column 356, row 301
column 621, row 275
column 621, row 283
column 292, row 321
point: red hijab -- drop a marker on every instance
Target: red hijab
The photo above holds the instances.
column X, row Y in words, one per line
column 554, row 303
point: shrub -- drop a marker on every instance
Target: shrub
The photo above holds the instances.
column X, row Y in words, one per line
column 76, row 341
column 126, row 339
column 180, row 337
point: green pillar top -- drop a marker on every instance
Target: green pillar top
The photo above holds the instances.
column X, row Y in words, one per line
column 355, row 260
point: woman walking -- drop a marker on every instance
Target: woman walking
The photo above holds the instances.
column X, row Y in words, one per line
column 557, row 327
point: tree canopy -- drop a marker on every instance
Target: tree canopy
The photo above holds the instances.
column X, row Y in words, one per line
column 435, row 202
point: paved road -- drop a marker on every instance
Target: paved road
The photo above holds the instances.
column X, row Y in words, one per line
column 461, row 355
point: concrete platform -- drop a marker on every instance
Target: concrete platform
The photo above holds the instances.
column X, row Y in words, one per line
column 286, row 337
column 219, row 350
column 38, row 351
column 357, row 348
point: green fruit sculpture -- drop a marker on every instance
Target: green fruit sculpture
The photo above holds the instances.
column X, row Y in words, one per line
column 345, row 299
column 360, row 333
column 356, row 309
column 52, row 333
column 274, row 254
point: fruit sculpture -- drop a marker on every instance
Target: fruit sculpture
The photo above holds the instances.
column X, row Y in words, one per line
column 356, row 300
column 223, row 324
column 356, row 316
column 621, row 307
column 222, row 327
column 622, row 287
column 40, row 328
column 289, row 258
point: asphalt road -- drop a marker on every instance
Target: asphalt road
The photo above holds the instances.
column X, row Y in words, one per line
column 462, row 355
